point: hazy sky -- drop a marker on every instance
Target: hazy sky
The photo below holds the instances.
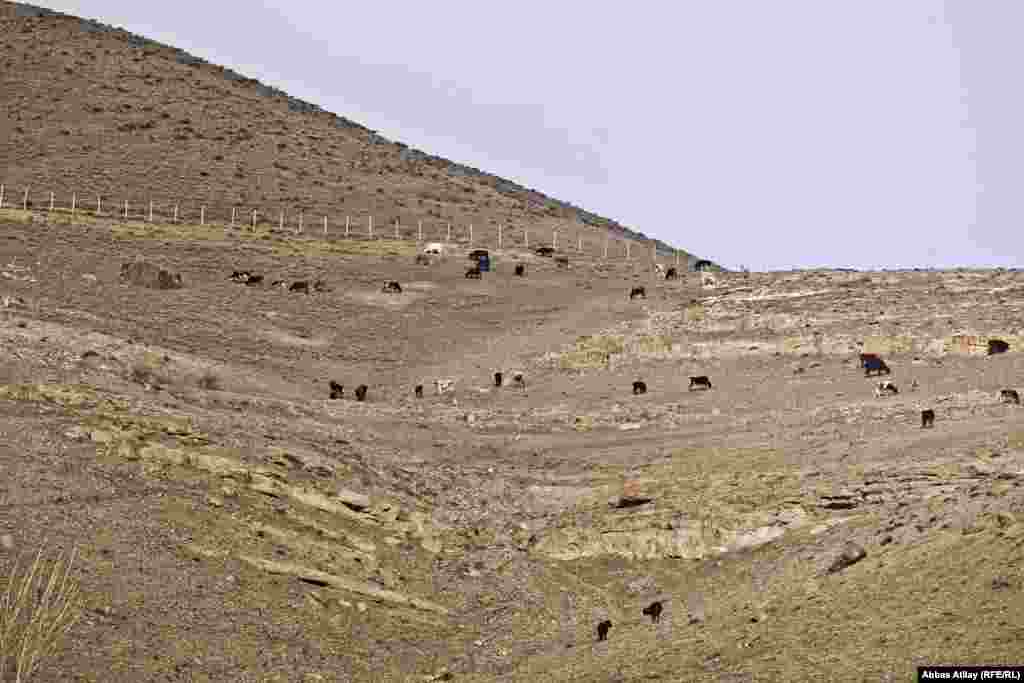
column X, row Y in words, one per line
column 771, row 134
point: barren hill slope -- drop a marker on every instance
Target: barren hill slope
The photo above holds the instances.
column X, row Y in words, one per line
column 100, row 112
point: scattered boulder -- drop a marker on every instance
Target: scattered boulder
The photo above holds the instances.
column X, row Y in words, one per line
column 145, row 274
column 851, row 555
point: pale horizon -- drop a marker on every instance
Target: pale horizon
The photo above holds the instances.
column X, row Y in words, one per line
column 776, row 137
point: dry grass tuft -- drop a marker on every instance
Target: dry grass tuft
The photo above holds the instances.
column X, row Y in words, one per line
column 37, row 609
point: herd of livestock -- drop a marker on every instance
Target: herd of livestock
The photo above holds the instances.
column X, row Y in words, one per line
column 871, row 363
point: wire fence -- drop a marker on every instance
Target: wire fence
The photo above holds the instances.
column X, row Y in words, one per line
column 566, row 239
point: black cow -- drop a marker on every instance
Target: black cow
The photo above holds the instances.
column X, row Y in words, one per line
column 545, row 251
column 637, row 291
column 337, row 390
column 562, row 261
column 997, row 346
column 239, row 276
column 422, row 260
column 497, row 379
column 875, row 365
column 519, row 381
column 392, row 287
column 520, row 269
column 927, row 418
column 254, row 280
column 361, row 392
column 639, row 387
column 473, row 273
column 671, row 274
column 603, row 628
column 653, row 611
column 279, row 283
column 418, row 391
column 701, row 381
column 1009, row 396
column 300, row 286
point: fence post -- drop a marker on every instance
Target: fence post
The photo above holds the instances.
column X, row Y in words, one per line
column 579, row 245
column 300, row 222
column 554, row 238
column 280, row 222
column 396, row 229
column 677, row 257
column 325, row 225
column 499, row 236
column 175, row 213
column 97, row 205
column 126, row 209
column 24, row 202
column 150, row 210
column 346, row 226
column 627, row 249
column 371, row 227
column 470, row 234
column 449, row 232
column 1, row 196
column 202, row 216
column 654, row 253
column 254, row 220
column 606, row 247
column 51, row 202
column 232, row 217
column 74, row 206
column 419, row 232
column 526, row 238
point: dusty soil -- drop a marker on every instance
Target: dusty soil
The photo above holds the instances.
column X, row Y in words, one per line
column 233, row 524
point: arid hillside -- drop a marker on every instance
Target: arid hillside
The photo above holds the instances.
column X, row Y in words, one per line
column 106, row 117
column 234, row 522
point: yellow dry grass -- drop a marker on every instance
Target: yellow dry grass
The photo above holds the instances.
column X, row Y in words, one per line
column 37, row 609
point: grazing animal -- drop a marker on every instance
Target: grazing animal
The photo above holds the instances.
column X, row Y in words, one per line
column 865, row 356
column 361, row 392
column 300, row 286
column 708, row 281
column 672, row 274
column 562, row 261
column 653, row 611
column 435, row 248
column 473, row 273
column 422, row 260
column 418, row 391
column 603, row 628
column 875, row 365
column 239, row 276
column 518, row 381
column 701, row 381
column 637, row 291
column 497, row 379
column 320, row 286
column 254, row 280
column 337, row 390
column 443, row 386
column 545, row 251
column 279, row 283
column 639, row 387
column 1009, row 396
column 520, row 269
column 392, row 287
column 927, row 418
column 886, row 389
column 659, row 269
column 997, row 346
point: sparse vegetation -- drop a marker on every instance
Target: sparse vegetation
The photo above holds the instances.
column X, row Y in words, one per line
column 38, row 607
